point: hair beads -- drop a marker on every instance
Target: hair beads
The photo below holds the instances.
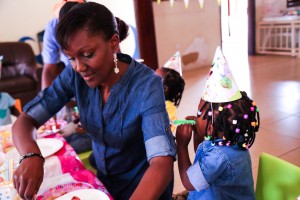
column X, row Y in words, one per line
column 238, row 120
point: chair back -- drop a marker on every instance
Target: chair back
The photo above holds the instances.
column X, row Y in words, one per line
column 277, row 179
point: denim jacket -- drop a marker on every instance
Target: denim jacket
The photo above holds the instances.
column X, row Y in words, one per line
column 131, row 128
column 221, row 172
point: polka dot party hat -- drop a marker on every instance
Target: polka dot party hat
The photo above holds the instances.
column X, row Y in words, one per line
column 220, row 85
column 174, row 63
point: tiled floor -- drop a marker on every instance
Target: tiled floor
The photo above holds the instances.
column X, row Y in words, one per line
column 274, row 83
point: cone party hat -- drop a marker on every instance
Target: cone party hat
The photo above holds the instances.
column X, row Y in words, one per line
column 174, row 63
column 220, row 85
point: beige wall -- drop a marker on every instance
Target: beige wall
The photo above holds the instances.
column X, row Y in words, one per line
column 187, row 30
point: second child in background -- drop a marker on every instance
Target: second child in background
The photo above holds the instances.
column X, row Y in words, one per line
column 226, row 124
column 7, row 107
column 173, row 84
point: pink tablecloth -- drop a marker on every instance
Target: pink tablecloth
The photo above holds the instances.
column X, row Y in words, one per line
column 70, row 163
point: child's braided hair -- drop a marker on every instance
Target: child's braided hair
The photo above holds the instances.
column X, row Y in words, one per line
column 174, row 84
column 238, row 120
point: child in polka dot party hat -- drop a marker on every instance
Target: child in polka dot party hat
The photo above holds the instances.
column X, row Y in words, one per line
column 226, row 124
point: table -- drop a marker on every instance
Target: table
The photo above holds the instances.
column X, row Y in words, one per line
column 71, row 165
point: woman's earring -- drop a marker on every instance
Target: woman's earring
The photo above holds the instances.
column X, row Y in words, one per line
column 116, row 69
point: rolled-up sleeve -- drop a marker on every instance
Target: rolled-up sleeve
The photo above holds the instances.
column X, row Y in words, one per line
column 196, row 177
column 158, row 137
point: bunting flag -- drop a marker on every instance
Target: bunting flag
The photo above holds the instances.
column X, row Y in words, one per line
column 186, row 3
column 171, row 3
column 201, row 3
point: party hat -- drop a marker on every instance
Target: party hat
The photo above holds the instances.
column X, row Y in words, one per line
column 174, row 63
column 220, row 85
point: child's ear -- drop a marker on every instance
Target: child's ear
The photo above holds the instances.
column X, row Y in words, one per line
column 210, row 128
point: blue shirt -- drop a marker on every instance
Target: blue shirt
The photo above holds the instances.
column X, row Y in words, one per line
column 131, row 128
column 221, row 172
column 51, row 52
column 6, row 101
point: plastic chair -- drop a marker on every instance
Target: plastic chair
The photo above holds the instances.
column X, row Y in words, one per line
column 18, row 105
column 277, row 179
column 84, row 157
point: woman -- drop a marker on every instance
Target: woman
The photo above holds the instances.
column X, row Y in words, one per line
column 121, row 105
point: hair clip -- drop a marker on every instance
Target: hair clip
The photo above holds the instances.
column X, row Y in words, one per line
column 228, row 143
column 209, row 113
column 237, row 130
column 213, row 144
column 245, row 116
column 257, row 110
column 199, row 113
column 220, row 108
column 245, row 146
column 246, row 134
column 252, row 108
column 253, row 124
column 207, row 137
column 253, row 103
column 220, row 143
column 229, row 106
column 234, row 121
column 224, row 138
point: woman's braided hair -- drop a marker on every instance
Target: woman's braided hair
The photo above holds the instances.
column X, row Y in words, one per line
column 238, row 120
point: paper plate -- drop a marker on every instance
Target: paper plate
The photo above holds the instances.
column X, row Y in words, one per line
column 61, row 190
column 50, row 128
column 86, row 194
column 48, row 147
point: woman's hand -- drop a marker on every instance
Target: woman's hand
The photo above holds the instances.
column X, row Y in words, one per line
column 28, row 177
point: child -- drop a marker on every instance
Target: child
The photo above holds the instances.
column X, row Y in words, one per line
column 7, row 107
column 173, row 83
column 226, row 124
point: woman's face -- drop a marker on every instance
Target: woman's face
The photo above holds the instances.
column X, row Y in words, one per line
column 92, row 56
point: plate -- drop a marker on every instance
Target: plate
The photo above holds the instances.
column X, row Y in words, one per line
column 61, row 190
column 50, row 127
column 85, row 194
column 48, row 147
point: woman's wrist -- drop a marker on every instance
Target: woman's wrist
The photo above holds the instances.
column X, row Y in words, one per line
column 28, row 155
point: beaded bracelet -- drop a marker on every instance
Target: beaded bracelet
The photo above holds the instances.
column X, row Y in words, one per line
column 27, row 155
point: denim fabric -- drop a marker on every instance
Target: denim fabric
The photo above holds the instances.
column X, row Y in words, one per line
column 221, row 172
column 52, row 53
column 81, row 142
column 127, row 132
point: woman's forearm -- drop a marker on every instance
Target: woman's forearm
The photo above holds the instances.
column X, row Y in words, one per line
column 156, row 179
column 23, row 138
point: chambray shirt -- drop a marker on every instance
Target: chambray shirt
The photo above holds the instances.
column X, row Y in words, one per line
column 131, row 128
column 221, row 172
column 52, row 53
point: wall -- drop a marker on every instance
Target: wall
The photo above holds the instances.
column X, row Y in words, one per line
column 188, row 30
column 20, row 18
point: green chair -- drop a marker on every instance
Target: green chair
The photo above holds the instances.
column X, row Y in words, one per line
column 84, row 157
column 277, row 179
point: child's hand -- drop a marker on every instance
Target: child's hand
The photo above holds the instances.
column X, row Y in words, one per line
column 184, row 133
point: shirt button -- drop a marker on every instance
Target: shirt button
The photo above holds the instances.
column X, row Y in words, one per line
column 41, row 94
